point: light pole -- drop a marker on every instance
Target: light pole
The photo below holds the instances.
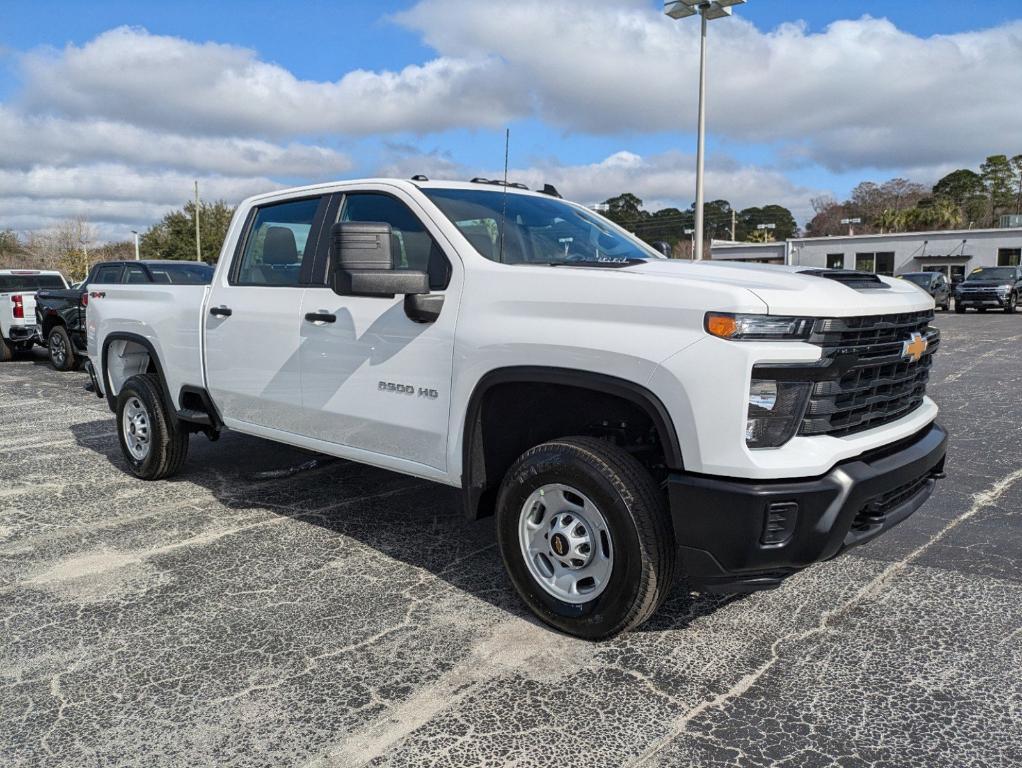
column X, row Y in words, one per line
column 689, row 233
column 708, row 10
column 136, row 243
column 849, row 222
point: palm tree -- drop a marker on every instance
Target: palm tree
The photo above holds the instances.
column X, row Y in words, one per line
column 760, row 236
column 889, row 220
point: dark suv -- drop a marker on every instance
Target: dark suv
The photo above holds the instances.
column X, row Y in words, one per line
column 60, row 314
column 989, row 288
column 935, row 284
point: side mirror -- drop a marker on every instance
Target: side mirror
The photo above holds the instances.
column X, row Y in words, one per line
column 363, row 263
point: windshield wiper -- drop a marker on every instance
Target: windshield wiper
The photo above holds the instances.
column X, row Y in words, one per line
column 610, row 263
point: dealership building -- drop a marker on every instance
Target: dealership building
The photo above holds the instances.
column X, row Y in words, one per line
column 954, row 252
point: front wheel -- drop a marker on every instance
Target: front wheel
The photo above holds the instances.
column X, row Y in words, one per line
column 62, row 354
column 585, row 536
column 152, row 442
column 959, row 309
column 1009, row 308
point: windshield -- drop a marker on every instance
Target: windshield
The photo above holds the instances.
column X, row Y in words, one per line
column 182, row 274
column 996, row 273
column 524, row 229
column 919, row 278
column 9, row 283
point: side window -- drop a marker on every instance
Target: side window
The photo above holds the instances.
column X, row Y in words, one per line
column 276, row 243
column 110, row 273
column 412, row 245
column 135, row 274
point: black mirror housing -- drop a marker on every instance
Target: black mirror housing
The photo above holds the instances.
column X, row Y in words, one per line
column 363, row 263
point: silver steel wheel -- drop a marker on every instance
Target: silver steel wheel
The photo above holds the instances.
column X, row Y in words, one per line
column 58, row 351
column 135, row 426
column 566, row 543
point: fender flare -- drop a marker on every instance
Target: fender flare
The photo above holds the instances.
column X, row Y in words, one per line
column 637, row 394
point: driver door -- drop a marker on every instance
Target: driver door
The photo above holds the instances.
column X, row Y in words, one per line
column 373, row 379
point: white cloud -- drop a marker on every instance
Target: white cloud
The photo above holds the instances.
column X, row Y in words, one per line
column 661, row 180
column 130, row 75
column 34, row 139
column 858, row 94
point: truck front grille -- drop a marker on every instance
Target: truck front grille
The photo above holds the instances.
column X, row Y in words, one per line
column 874, row 382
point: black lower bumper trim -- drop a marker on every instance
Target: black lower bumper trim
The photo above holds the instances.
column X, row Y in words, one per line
column 722, row 524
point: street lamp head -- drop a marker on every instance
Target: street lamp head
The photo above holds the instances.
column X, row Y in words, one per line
column 710, row 9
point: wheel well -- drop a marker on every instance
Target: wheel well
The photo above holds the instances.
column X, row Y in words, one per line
column 124, row 359
column 49, row 323
column 509, row 417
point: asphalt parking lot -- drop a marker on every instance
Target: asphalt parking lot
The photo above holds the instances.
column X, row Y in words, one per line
column 270, row 607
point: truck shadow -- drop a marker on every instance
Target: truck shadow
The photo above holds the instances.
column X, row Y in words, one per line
column 412, row 521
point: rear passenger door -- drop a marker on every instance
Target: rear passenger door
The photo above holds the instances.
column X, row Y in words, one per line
column 253, row 322
column 373, row 379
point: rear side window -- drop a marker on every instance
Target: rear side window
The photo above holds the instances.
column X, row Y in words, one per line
column 412, row 246
column 11, row 283
column 277, row 242
column 182, row 274
column 109, row 273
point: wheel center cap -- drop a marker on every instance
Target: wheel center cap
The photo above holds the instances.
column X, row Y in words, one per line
column 559, row 544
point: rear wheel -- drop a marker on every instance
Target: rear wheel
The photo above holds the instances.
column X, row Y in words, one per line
column 62, row 354
column 152, row 442
column 6, row 351
column 584, row 533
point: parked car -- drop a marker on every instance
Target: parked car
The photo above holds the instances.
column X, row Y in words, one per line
column 623, row 415
column 935, row 284
column 60, row 314
column 18, row 289
column 989, row 288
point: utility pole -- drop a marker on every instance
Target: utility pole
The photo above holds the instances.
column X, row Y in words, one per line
column 136, row 243
column 733, row 217
column 198, row 242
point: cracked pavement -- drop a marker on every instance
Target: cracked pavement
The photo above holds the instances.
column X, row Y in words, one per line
column 271, row 607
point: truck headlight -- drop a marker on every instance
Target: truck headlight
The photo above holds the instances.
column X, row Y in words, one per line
column 1004, row 290
column 775, row 411
column 725, row 325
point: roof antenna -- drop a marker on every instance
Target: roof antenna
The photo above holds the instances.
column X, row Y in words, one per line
column 503, row 211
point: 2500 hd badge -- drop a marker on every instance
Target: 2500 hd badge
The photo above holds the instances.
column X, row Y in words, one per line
column 407, row 389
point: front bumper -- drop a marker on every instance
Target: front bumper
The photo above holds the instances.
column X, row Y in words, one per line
column 744, row 535
column 996, row 301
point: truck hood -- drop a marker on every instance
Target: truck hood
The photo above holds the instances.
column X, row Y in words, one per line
column 985, row 284
column 796, row 290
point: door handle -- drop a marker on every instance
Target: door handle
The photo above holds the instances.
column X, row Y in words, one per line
column 320, row 317
column 220, row 311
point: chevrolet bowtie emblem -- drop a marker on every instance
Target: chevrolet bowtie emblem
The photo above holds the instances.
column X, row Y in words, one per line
column 914, row 348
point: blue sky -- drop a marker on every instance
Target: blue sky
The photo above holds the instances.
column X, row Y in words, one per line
column 782, row 132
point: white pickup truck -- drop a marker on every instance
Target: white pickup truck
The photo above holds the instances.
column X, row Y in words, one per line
column 625, row 416
column 18, row 330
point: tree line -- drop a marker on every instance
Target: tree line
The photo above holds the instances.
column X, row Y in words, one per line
column 668, row 225
column 964, row 198
column 71, row 246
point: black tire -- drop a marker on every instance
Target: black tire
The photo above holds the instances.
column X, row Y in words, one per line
column 62, row 352
column 959, row 309
column 981, row 310
column 167, row 442
column 1009, row 308
column 635, row 510
column 6, row 351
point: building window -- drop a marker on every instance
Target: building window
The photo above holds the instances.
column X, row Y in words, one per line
column 882, row 262
column 1009, row 257
column 835, row 261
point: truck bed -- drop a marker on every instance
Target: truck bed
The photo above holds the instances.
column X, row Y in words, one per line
column 168, row 317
